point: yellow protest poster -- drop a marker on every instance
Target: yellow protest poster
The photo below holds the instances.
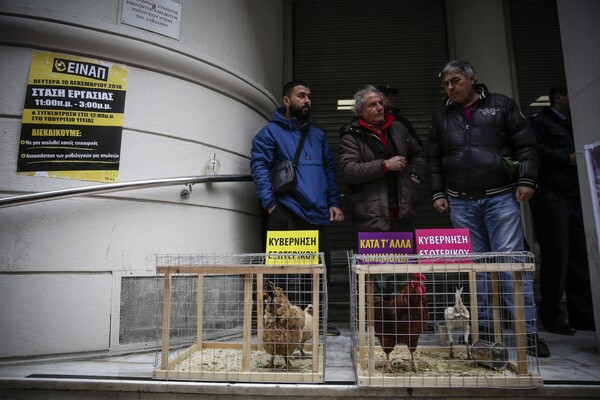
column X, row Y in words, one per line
column 72, row 118
column 292, row 247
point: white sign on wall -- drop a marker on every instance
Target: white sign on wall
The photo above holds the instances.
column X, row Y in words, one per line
column 159, row 16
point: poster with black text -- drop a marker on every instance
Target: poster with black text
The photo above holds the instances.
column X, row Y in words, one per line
column 72, row 118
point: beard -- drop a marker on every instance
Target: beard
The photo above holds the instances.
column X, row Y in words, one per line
column 299, row 112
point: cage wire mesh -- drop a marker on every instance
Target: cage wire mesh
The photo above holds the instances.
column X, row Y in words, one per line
column 444, row 320
column 241, row 317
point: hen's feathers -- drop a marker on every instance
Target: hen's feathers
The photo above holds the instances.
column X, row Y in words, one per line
column 284, row 323
column 402, row 319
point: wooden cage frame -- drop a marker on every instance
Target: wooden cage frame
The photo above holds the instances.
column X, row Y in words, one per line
column 165, row 370
column 365, row 370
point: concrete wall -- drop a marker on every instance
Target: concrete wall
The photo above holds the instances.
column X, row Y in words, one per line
column 187, row 99
column 477, row 32
column 580, row 35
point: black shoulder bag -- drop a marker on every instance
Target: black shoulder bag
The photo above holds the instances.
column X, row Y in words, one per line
column 283, row 174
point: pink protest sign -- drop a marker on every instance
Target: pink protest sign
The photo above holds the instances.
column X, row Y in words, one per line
column 385, row 247
column 443, row 241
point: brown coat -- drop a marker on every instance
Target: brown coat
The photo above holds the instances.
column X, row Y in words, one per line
column 361, row 168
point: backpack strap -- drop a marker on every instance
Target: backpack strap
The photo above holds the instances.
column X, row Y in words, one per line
column 299, row 149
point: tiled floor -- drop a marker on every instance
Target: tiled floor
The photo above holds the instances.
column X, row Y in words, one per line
column 574, row 360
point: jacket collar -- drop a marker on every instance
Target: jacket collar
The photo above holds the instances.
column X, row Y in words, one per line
column 560, row 116
column 555, row 116
column 279, row 118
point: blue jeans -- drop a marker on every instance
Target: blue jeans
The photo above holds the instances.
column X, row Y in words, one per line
column 494, row 224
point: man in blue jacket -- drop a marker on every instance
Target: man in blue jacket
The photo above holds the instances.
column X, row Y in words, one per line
column 315, row 201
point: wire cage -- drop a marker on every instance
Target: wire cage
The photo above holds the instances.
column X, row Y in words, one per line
column 241, row 318
column 444, row 320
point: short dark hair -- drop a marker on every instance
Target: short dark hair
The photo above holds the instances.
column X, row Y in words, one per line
column 557, row 88
column 288, row 87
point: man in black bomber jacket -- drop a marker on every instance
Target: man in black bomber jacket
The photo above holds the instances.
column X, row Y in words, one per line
column 482, row 163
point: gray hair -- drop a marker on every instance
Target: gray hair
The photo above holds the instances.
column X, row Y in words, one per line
column 359, row 101
column 464, row 67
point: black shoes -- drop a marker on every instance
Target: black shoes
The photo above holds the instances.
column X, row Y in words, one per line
column 584, row 325
column 535, row 342
column 559, row 327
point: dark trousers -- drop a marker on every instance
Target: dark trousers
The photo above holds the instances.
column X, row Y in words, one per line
column 299, row 287
column 558, row 222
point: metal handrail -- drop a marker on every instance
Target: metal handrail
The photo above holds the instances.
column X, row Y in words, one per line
column 116, row 187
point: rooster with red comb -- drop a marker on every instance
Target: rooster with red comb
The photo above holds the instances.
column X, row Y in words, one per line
column 402, row 319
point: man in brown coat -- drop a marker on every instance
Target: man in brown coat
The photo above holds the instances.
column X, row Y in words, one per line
column 382, row 164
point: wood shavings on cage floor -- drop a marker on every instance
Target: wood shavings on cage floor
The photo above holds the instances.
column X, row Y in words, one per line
column 217, row 364
column 223, row 360
column 433, row 363
column 436, row 369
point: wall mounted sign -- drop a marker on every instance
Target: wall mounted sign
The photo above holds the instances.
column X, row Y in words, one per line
column 158, row 16
column 72, row 118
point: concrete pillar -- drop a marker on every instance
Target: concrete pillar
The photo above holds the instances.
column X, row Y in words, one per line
column 478, row 32
column 188, row 99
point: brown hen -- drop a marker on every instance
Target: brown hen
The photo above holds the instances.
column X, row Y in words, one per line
column 283, row 327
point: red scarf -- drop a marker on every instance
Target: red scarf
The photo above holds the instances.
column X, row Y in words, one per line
column 387, row 121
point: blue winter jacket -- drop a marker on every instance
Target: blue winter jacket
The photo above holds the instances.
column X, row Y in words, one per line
column 317, row 188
